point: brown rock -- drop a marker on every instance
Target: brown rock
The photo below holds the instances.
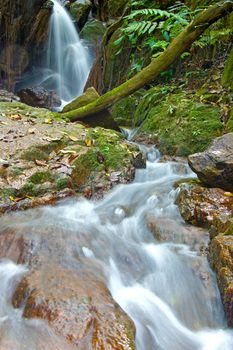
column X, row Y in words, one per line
column 221, row 259
column 202, row 206
column 37, row 96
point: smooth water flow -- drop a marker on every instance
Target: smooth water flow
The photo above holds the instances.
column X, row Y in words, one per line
column 68, row 60
column 161, row 280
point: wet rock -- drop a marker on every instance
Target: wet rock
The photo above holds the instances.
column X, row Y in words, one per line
column 63, row 289
column 77, row 306
column 214, row 167
column 202, row 206
column 221, row 259
column 37, row 96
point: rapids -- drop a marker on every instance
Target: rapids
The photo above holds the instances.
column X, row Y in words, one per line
column 159, row 283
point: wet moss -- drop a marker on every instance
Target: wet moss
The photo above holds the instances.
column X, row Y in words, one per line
column 63, row 183
column 8, row 192
column 42, row 152
column 32, row 190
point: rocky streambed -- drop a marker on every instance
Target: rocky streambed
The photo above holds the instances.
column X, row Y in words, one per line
column 91, row 265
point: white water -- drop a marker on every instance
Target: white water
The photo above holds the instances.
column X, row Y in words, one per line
column 159, row 284
column 68, row 61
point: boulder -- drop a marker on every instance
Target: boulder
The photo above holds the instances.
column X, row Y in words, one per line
column 103, row 119
column 202, row 206
column 37, row 96
column 6, row 96
column 214, row 167
column 80, row 12
column 62, row 289
column 221, row 259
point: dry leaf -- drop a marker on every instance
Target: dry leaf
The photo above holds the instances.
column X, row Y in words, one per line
column 67, row 151
column 40, row 163
column 73, row 138
column 31, row 131
column 48, row 121
column 15, row 117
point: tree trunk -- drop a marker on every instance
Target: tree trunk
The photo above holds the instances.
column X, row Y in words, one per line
column 179, row 45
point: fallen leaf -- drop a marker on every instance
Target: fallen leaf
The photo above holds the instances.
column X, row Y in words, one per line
column 31, row 131
column 40, row 163
column 228, row 194
column 88, row 142
column 15, row 117
column 73, row 138
column 67, row 151
column 48, row 121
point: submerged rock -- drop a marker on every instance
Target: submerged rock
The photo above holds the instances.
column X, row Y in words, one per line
column 37, row 96
column 214, row 167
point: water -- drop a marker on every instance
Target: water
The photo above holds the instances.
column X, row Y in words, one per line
column 158, row 282
column 68, row 60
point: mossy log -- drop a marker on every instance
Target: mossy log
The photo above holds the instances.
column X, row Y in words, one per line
column 179, row 45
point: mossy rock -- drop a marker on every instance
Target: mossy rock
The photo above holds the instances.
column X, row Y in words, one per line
column 229, row 125
column 80, row 12
column 116, row 8
column 182, row 124
column 10, row 108
column 93, row 31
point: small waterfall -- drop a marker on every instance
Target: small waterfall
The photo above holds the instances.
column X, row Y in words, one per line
column 68, row 61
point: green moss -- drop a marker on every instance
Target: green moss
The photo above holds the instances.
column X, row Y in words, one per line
column 227, row 78
column 84, row 166
column 183, row 125
column 8, row 192
column 42, row 152
column 32, row 190
column 63, row 183
column 229, row 125
column 33, row 154
column 16, row 171
column 42, row 176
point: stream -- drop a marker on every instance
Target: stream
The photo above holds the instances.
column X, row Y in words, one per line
column 162, row 280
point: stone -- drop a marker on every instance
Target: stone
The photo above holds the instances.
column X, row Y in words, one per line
column 202, row 206
column 37, row 96
column 221, row 259
column 63, row 290
column 6, row 96
column 214, row 167
column 80, row 12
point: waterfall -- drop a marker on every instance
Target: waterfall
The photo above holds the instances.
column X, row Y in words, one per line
column 68, row 60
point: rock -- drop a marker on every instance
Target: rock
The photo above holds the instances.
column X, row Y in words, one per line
column 202, row 206
column 45, row 159
column 37, row 96
column 214, row 167
column 6, row 96
column 80, row 12
column 227, row 77
column 221, row 259
column 62, row 289
column 103, row 119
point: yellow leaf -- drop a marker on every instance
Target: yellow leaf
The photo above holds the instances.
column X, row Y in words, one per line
column 48, row 121
column 88, row 142
column 11, row 198
column 228, row 194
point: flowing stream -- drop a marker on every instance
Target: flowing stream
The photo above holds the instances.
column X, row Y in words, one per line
column 164, row 284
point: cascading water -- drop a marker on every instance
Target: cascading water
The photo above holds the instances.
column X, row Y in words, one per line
column 68, row 61
column 158, row 283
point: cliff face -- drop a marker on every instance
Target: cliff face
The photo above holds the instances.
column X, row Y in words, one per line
column 23, row 30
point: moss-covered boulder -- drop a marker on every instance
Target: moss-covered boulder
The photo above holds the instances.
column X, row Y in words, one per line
column 182, row 124
column 93, row 32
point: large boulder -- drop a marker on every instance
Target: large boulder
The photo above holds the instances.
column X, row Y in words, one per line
column 38, row 96
column 62, row 289
column 214, row 167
